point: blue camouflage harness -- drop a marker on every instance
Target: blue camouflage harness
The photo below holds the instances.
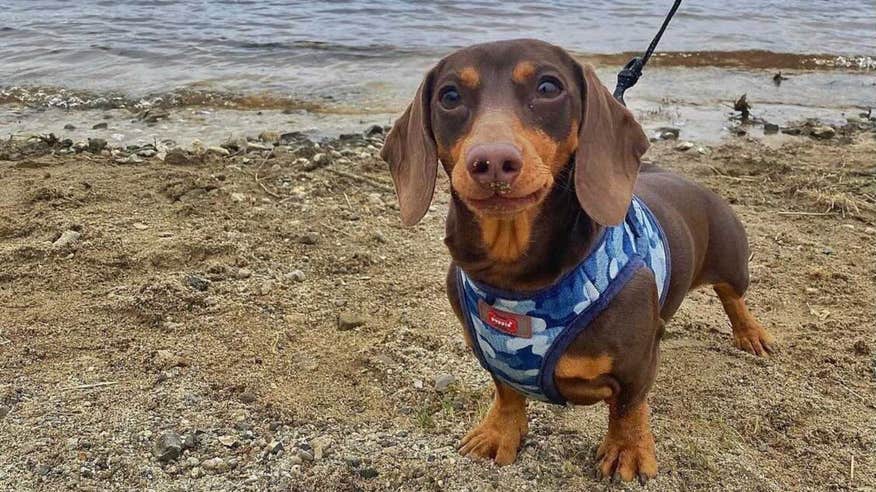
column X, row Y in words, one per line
column 520, row 338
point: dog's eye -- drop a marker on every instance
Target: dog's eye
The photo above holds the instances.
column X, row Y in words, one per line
column 549, row 87
column 449, row 97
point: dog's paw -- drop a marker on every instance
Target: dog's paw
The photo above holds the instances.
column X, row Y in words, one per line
column 627, row 459
column 490, row 441
column 754, row 339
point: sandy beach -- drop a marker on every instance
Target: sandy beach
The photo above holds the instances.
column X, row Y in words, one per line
column 255, row 317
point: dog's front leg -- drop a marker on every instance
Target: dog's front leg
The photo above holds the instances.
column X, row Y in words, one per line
column 498, row 436
column 627, row 451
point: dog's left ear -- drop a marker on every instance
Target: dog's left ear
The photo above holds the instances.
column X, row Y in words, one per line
column 409, row 149
column 610, row 148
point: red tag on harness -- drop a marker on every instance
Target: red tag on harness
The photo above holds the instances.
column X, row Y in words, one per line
column 517, row 325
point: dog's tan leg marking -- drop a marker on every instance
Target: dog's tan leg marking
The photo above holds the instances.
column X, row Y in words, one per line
column 499, row 435
column 748, row 334
column 627, row 452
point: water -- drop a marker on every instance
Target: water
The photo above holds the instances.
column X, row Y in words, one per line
column 333, row 65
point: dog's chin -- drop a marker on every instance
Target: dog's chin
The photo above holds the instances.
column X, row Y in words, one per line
column 506, row 206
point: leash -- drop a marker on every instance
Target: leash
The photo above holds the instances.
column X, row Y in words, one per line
column 631, row 72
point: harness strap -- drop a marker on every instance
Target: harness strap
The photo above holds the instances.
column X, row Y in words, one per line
column 631, row 72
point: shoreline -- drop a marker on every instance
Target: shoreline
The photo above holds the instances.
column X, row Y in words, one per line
column 682, row 97
column 274, row 143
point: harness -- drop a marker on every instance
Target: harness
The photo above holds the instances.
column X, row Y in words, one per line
column 519, row 338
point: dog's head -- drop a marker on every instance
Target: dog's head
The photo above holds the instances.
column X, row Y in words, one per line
column 506, row 119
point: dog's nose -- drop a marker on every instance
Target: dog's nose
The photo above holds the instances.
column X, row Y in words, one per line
column 494, row 166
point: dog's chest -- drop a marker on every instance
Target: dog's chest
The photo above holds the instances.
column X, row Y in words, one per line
column 519, row 339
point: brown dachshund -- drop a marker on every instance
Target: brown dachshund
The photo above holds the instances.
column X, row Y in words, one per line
column 541, row 161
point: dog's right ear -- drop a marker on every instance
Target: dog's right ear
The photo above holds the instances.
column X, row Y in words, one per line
column 410, row 151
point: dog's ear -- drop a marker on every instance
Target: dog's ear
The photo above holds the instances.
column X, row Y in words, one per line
column 409, row 150
column 610, row 147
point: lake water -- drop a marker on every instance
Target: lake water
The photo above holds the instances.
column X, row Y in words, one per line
column 336, row 64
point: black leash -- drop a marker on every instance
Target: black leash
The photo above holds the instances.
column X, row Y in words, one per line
column 631, row 72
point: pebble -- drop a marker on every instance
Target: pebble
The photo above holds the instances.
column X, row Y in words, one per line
column 348, row 320
column 99, row 126
column 668, row 133
column 218, row 151
column 131, row 159
column 269, row 137
column 321, row 446
column 68, row 238
column 823, row 132
column 443, row 382
column 217, row 465
column 167, row 447
column 318, row 160
column 152, row 116
column 373, row 130
column 770, row 128
column 197, row 472
column 684, row 146
column 368, row 473
column 274, row 447
column 178, row 157
column 258, row 146
column 243, row 273
column 69, row 127
column 197, row 283
column 238, row 197
column 305, row 455
column 96, row 145
column 190, row 442
column 228, row 441
column 827, row 250
column 296, row 276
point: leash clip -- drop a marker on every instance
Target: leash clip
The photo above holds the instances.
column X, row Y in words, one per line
column 627, row 77
column 631, row 72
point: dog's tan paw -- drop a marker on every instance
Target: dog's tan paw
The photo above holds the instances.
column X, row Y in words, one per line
column 489, row 441
column 754, row 339
column 627, row 459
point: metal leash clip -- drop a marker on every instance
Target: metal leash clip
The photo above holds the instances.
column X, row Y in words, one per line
column 631, row 72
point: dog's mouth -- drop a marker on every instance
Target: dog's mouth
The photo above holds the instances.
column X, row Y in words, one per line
column 505, row 204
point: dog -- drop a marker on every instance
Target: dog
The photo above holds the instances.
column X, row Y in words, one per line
column 568, row 255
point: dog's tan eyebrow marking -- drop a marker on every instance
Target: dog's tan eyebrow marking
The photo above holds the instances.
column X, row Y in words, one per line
column 523, row 71
column 470, row 77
